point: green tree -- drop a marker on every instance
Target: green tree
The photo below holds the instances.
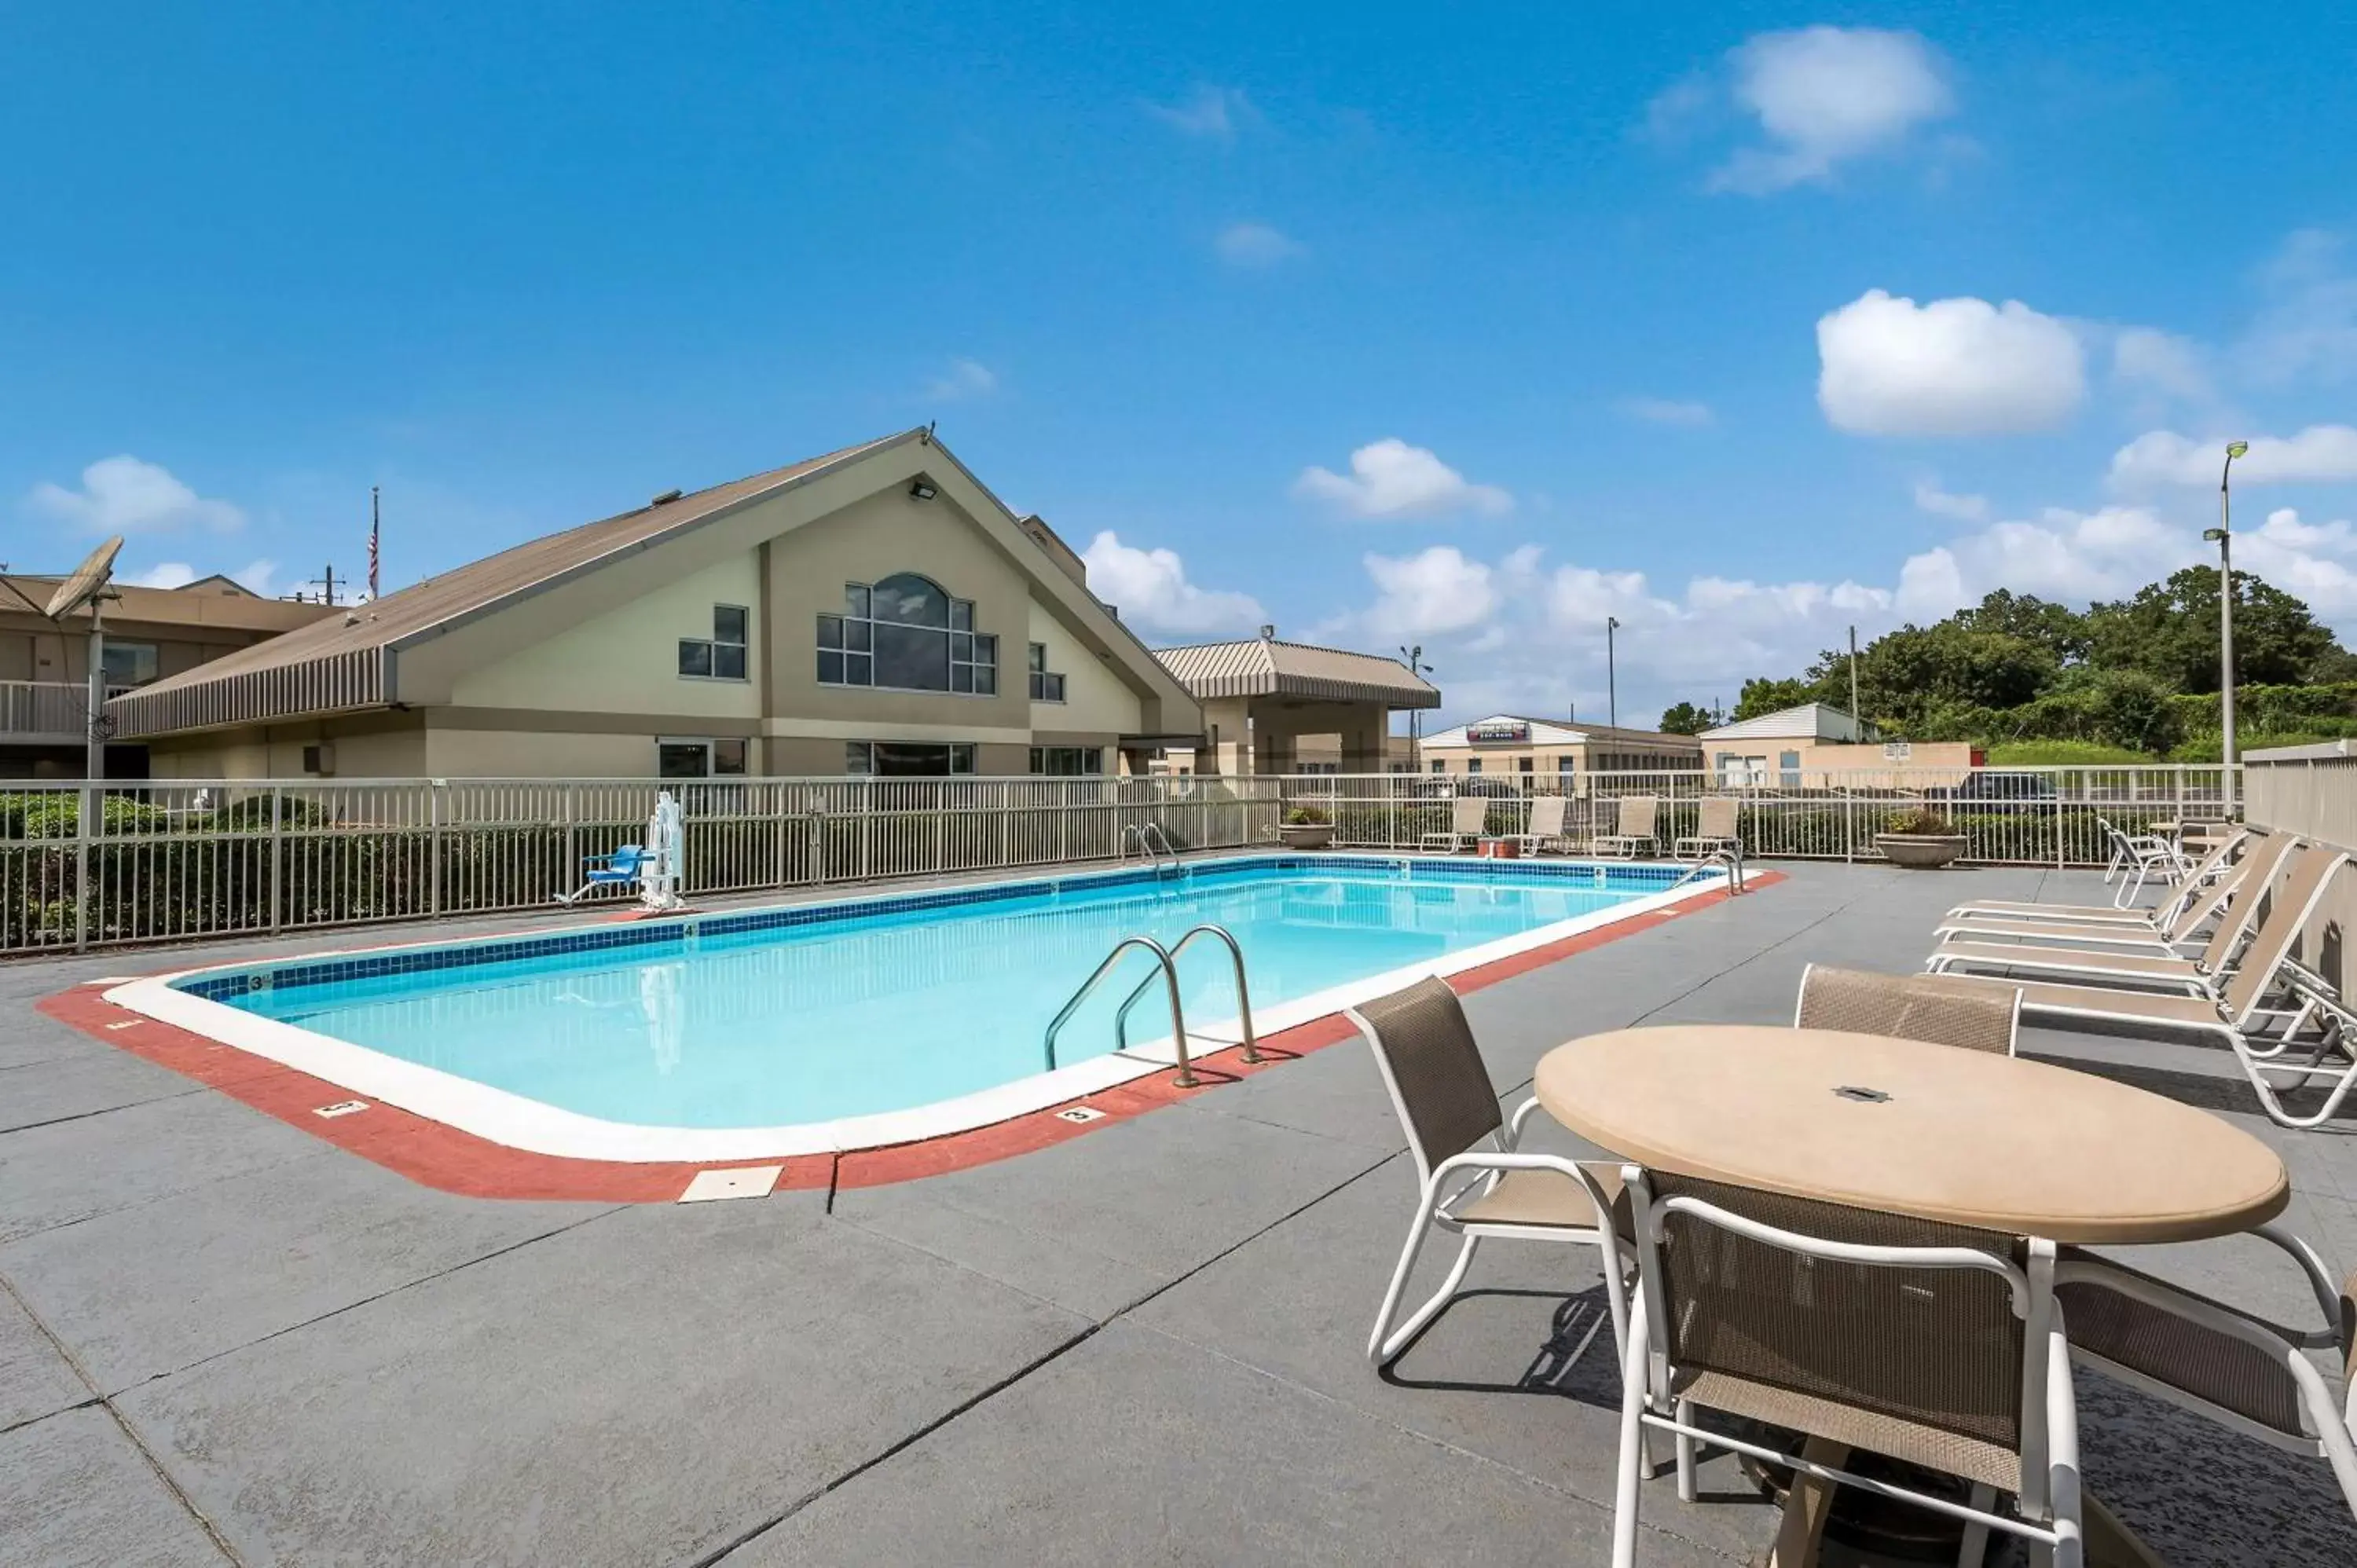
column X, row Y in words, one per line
column 1764, row 695
column 1905, row 676
column 2057, row 627
column 2169, row 631
column 1685, row 718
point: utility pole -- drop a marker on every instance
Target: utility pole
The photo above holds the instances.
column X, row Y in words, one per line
column 1858, row 720
column 327, row 582
column 1611, row 684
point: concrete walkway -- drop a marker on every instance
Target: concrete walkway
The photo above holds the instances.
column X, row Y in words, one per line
column 221, row 1339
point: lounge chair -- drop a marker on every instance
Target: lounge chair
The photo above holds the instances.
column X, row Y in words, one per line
column 1930, row 1343
column 1635, row 827
column 2239, row 1369
column 1963, row 1014
column 2197, row 909
column 1466, row 813
column 2199, row 976
column 1449, row 1108
column 1716, row 830
column 2136, row 858
column 2215, row 864
column 620, row 869
column 2246, row 1012
column 1544, row 830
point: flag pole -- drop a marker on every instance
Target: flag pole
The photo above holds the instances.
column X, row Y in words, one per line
column 375, row 525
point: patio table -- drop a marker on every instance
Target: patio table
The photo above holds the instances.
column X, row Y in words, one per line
column 1960, row 1137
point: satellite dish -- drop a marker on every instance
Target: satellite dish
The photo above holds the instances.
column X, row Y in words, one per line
column 89, row 580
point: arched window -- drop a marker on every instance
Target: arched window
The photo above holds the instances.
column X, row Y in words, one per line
column 906, row 633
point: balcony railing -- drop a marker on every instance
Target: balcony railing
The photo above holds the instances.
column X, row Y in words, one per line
column 47, row 712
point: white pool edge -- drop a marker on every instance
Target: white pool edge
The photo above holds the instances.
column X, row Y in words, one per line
column 518, row 1121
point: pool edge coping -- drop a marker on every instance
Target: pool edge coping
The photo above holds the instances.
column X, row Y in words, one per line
column 449, row 1157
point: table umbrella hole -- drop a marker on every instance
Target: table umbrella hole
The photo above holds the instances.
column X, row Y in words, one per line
column 1870, row 1096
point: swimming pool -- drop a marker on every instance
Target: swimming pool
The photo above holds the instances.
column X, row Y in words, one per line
column 864, row 1021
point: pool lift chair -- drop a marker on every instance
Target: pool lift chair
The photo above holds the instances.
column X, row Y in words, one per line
column 655, row 866
column 619, row 869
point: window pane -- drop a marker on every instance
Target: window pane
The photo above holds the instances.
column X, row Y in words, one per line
column 1092, row 760
column 1055, row 688
column 985, row 680
column 911, row 658
column 728, row 755
column 729, row 661
column 961, row 759
column 856, row 758
column 830, row 667
column 830, row 631
column 858, row 635
column 128, row 663
column 855, row 599
column 911, row 600
column 1038, row 760
column 905, row 760
column 961, row 677
column 1039, row 656
column 680, row 758
column 858, row 670
column 962, row 647
column 694, row 657
column 986, row 651
column 961, row 614
column 1039, row 686
column 729, row 623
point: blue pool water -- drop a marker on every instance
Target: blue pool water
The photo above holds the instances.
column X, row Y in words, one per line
column 783, row 1016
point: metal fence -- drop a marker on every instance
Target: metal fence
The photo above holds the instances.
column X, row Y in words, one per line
column 2008, row 816
column 163, row 862
column 169, row 862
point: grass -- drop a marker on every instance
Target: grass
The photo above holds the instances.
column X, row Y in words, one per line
column 2064, row 753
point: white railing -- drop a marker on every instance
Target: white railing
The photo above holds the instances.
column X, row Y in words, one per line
column 47, row 710
column 169, row 862
column 2018, row 816
column 172, row 860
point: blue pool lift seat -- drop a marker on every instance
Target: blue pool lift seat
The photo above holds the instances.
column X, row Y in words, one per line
column 620, row 869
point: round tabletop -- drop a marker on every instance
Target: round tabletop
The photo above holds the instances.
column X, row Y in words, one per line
column 1965, row 1137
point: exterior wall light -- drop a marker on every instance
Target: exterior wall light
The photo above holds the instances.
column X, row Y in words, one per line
column 922, row 491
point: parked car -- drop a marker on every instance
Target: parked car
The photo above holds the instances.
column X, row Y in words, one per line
column 1989, row 790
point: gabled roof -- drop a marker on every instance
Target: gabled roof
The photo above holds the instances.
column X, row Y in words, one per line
column 1264, row 667
column 1810, row 721
column 1552, row 732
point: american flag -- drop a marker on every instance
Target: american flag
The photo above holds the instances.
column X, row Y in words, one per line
column 373, row 525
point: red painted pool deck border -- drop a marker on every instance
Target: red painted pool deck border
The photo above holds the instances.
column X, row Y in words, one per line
column 434, row 1154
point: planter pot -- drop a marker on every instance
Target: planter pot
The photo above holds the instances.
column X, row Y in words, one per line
column 1306, row 835
column 1924, row 852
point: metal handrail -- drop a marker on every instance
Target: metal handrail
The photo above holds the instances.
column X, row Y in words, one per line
column 1186, row 1079
column 1243, row 996
column 1718, row 857
column 1146, row 834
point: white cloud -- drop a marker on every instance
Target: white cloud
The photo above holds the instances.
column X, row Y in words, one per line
column 2318, row 454
column 2308, row 325
column 1954, row 367
column 1391, row 478
column 1211, row 111
column 1668, row 410
column 2311, row 560
column 1151, row 589
column 1256, row 245
column 1425, row 594
column 257, row 575
column 1825, row 96
column 1931, row 497
column 963, row 379
column 128, row 495
column 2067, row 555
column 2159, row 362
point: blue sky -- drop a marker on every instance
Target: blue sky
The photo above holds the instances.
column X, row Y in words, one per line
column 1469, row 329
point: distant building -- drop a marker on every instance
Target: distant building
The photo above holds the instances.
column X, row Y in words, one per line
column 1794, row 746
column 152, row 634
column 1272, row 706
column 1563, row 748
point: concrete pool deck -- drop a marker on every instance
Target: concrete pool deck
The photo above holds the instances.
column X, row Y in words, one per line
column 224, row 1340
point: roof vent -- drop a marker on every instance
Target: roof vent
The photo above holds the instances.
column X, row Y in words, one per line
column 667, row 498
column 1268, row 632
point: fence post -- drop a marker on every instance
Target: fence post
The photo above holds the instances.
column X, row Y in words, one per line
column 85, row 814
column 434, row 840
column 277, row 859
column 818, row 843
column 1849, row 827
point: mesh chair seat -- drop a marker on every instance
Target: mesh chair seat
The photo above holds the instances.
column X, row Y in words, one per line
column 2231, row 1374
column 1873, row 1431
column 1973, row 1014
column 1548, row 1198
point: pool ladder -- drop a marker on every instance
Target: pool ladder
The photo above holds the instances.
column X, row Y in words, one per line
column 1153, row 842
column 1166, row 962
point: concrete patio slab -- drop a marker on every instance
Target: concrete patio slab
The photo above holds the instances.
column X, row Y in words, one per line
column 76, row 1493
column 70, row 1171
column 35, row 1379
column 66, row 1087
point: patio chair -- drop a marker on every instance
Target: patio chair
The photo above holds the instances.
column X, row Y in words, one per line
column 2249, row 1013
column 1447, row 1106
column 2199, row 907
column 2216, row 863
column 1716, row 830
column 2136, row 857
column 620, row 869
column 1544, row 829
column 2201, row 975
column 2241, row 1371
column 1930, row 1343
column 1635, row 827
column 1466, row 813
column 1908, row 1007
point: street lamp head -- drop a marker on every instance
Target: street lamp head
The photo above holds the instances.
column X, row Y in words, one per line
column 2213, row 535
column 1612, row 623
column 2237, row 449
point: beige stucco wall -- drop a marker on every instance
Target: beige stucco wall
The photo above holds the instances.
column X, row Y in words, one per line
column 625, row 660
column 557, row 754
column 1096, row 700
column 364, row 745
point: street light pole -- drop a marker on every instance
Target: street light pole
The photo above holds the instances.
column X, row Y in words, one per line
column 1611, row 684
column 1414, row 658
column 2224, row 536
